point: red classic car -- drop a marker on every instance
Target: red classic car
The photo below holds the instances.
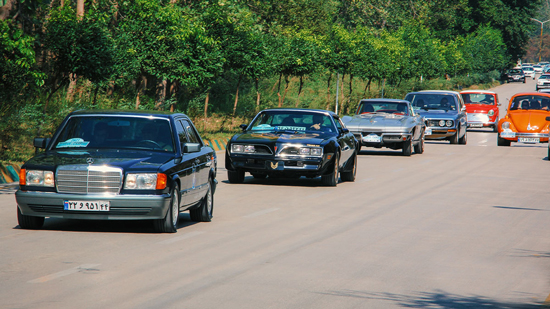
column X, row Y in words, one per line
column 482, row 108
column 525, row 121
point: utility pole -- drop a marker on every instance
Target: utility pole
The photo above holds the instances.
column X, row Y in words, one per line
column 541, row 26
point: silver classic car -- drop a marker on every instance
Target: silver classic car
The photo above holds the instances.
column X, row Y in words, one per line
column 390, row 123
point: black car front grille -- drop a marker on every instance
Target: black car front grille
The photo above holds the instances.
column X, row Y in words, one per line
column 84, row 179
column 113, row 210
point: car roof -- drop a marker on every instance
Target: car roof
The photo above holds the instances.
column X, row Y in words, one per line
column 435, row 92
column 286, row 109
column 385, row 100
column 478, row 91
column 531, row 93
column 114, row 112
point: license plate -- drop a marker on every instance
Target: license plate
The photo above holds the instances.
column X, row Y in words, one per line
column 428, row 131
column 476, row 125
column 508, row 134
column 372, row 138
column 533, row 140
column 87, row 205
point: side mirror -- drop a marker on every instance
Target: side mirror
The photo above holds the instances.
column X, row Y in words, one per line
column 41, row 142
column 191, row 147
column 548, row 118
column 243, row 127
column 463, row 108
column 345, row 131
column 498, row 104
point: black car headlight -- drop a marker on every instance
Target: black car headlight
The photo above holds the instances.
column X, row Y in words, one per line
column 311, row 151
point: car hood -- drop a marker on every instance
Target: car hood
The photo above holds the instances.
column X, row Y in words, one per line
column 382, row 120
column 282, row 137
column 125, row 159
column 437, row 114
column 479, row 108
column 529, row 121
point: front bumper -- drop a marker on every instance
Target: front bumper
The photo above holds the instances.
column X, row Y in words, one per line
column 543, row 86
column 438, row 133
column 299, row 165
column 377, row 139
column 122, row 207
column 517, row 136
column 478, row 120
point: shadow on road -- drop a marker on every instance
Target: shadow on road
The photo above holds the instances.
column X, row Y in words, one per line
column 438, row 299
column 289, row 182
column 108, row 226
column 519, row 208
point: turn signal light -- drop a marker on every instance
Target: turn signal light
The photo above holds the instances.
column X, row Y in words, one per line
column 161, row 181
column 22, row 177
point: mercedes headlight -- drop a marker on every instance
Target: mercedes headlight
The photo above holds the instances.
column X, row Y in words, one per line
column 145, row 181
column 39, row 178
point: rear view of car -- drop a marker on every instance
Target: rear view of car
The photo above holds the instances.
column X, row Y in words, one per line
column 515, row 75
column 529, row 72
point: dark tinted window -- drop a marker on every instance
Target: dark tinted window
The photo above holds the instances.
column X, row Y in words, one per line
column 193, row 136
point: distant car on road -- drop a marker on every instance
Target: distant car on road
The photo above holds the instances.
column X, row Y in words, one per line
column 444, row 113
column 515, row 75
column 119, row 165
column 543, row 82
column 482, row 107
column 525, row 121
column 390, row 123
column 529, row 72
column 537, row 68
column 293, row 143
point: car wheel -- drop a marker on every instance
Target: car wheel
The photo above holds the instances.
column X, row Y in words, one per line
column 236, row 176
column 359, row 148
column 419, row 148
column 464, row 139
column 170, row 222
column 29, row 222
column 349, row 175
column 259, row 176
column 524, row 80
column 407, row 148
column 331, row 179
column 206, row 208
column 454, row 139
column 503, row 142
column 495, row 128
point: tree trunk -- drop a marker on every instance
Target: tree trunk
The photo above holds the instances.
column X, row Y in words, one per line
column 173, row 92
column 95, row 95
column 142, row 83
column 299, row 91
column 72, row 86
column 5, row 10
column 287, row 82
column 342, row 94
column 279, row 90
column 161, row 94
column 237, row 96
column 328, row 90
column 79, row 9
column 257, row 96
column 366, row 87
column 206, row 103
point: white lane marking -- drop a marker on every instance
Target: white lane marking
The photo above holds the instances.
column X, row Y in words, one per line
column 261, row 212
column 178, row 238
column 64, row 273
column 483, row 141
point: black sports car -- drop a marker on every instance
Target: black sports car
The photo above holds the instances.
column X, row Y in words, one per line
column 293, row 143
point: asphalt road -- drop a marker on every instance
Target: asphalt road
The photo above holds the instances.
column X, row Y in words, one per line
column 456, row 227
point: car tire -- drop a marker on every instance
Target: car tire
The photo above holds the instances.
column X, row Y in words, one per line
column 454, row 139
column 463, row 140
column 236, row 176
column 359, row 147
column 169, row 224
column 349, row 175
column 407, row 148
column 331, row 180
column 29, row 222
column 259, row 176
column 419, row 148
column 495, row 128
column 503, row 142
column 204, row 212
column 524, row 80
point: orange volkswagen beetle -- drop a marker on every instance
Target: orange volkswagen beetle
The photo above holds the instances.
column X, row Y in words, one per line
column 525, row 120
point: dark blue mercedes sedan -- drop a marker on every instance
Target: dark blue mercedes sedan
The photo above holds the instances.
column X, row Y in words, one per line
column 119, row 165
